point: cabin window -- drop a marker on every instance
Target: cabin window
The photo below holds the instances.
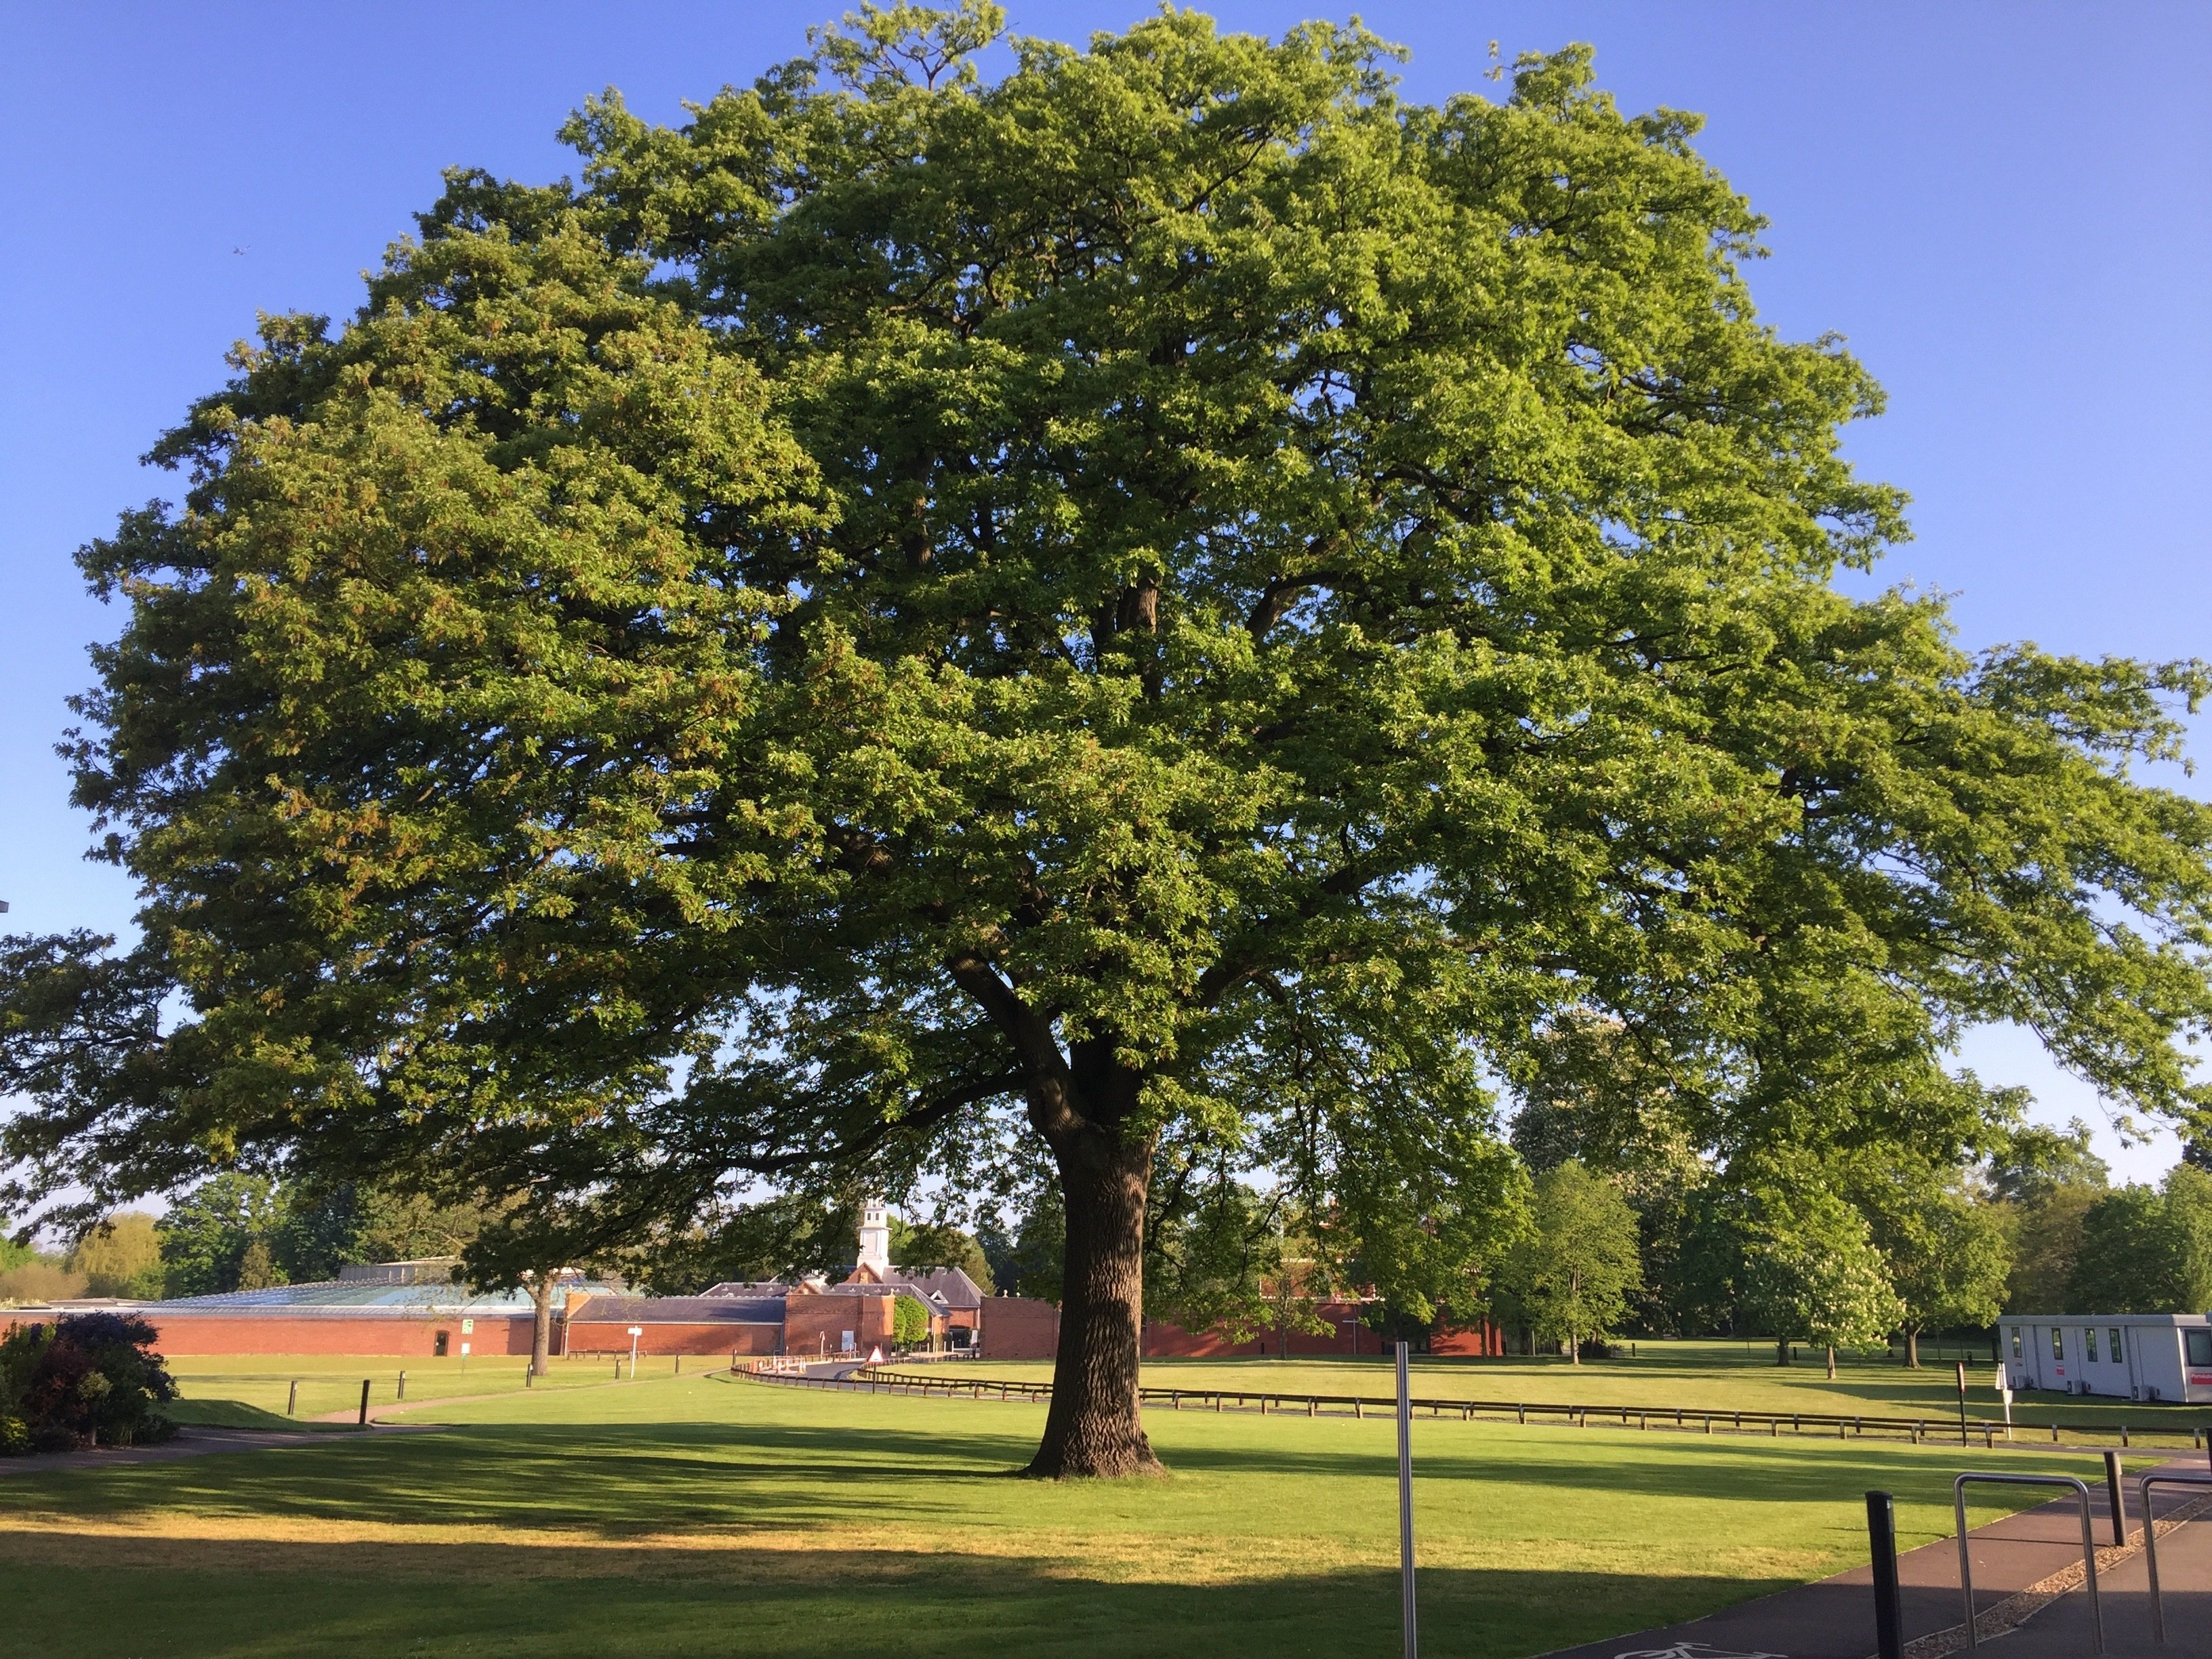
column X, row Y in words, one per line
column 2089, row 1345
column 2015, row 1342
column 2058, row 1343
column 2115, row 1356
column 438, row 1345
column 2200, row 1347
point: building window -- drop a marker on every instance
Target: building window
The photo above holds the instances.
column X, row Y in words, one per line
column 2089, row 1345
column 2015, row 1342
column 2058, row 1343
column 2115, row 1354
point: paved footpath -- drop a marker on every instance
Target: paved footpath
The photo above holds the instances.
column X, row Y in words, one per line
column 1834, row 1618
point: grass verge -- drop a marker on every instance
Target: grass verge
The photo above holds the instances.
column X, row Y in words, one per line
column 706, row 1513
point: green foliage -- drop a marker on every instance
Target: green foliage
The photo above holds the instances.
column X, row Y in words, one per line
column 2036, row 1159
column 909, row 1321
column 1029, row 1261
column 1948, row 1252
column 1218, row 1255
column 935, row 1244
column 205, row 1233
column 2145, row 1250
column 122, row 1257
column 1812, row 1274
column 83, row 1380
column 1173, row 602
column 788, row 1236
column 41, row 1278
column 2045, row 1234
column 1570, row 1279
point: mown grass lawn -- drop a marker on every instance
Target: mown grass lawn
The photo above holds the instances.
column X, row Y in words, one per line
column 713, row 1515
column 1692, row 1376
column 250, row 1390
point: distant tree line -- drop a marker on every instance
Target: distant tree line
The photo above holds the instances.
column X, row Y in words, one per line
column 241, row 1232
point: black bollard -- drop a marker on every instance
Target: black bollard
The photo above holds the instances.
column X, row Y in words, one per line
column 403, row 1386
column 364, row 1402
column 2112, row 1496
column 1888, row 1616
column 292, row 1401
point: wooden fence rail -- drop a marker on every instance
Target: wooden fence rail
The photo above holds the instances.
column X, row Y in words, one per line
column 1842, row 1426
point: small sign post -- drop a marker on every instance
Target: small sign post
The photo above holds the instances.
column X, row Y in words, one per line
column 2004, row 1393
column 1406, row 1508
column 635, row 1331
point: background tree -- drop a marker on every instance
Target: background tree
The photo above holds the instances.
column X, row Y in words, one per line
column 2147, row 1251
column 1174, row 597
column 1811, row 1274
column 909, row 1321
column 941, row 1244
column 31, row 1275
column 1570, row 1279
column 2045, row 1181
column 1595, row 1095
column 205, row 1233
column 121, row 1257
column 1947, row 1253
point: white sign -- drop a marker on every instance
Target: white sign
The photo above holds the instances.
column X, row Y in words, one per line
column 467, row 1326
column 464, row 1350
column 637, row 1330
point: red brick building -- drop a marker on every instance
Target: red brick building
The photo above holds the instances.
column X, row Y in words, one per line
column 408, row 1310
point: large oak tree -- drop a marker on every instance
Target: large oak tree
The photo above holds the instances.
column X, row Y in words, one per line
column 1173, row 600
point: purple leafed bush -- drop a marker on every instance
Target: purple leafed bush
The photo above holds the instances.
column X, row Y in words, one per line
column 82, row 1380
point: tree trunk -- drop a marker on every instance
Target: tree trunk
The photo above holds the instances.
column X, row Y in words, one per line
column 1781, row 1350
column 1831, row 1363
column 1083, row 1103
column 540, row 1322
column 1913, row 1349
column 1094, row 1425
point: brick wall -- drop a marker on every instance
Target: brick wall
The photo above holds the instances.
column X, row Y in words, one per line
column 816, row 1324
column 202, row 1333
column 592, row 1337
column 1017, row 1328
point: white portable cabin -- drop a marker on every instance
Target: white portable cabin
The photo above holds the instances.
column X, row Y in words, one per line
column 2165, row 1357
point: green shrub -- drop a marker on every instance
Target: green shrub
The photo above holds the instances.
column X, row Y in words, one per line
column 909, row 1322
column 83, row 1380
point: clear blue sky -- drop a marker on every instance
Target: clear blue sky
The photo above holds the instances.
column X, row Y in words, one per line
column 2006, row 208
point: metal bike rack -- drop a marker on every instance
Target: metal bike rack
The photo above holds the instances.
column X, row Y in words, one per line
column 2143, row 1484
column 2089, row 1545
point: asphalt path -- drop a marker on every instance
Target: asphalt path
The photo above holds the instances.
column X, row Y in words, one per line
column 1834, row 1618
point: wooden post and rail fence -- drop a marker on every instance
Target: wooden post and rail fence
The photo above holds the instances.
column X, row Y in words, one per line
column 1933, row 1429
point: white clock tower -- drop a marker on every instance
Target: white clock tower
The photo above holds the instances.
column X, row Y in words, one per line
column 875, row 1238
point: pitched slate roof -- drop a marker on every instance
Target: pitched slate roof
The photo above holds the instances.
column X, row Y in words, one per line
column 949, row 1287
column 678, row 1310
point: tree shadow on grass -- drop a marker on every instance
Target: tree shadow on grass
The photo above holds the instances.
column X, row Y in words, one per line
column 95, row 1596
column 615, row 1480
